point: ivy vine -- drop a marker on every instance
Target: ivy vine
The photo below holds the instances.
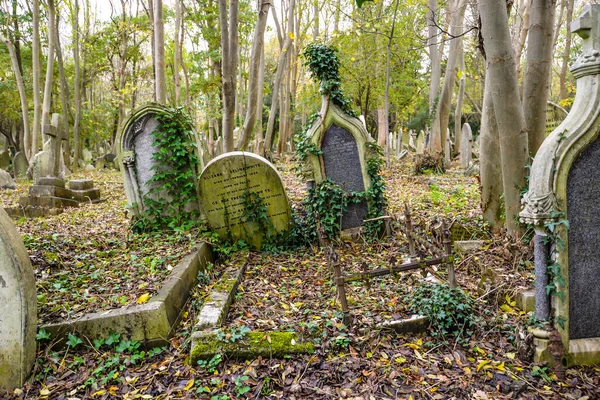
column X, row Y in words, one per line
column 555, row 277
column 173, row 184
column 324, row 65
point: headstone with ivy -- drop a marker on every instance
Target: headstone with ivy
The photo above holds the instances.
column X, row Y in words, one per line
column 243, row 198
column 157, row 155
column 18, row 315
column 338, row 149
column 562, row 203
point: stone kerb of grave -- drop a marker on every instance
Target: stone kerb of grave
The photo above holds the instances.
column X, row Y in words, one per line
column 343, row 140
column 18, row 313
column 135, row 147
column 564, row 179
column 224, row 183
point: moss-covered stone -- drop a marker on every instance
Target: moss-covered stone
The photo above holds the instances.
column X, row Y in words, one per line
column 254, row 344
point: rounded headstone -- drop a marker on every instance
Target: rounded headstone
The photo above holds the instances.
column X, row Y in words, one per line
column 4, row 159
column 87, row 155
column 223, row 183
column 20, row 165
column 18, row 314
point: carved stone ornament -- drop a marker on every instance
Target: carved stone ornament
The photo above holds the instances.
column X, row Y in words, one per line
column 547, row 184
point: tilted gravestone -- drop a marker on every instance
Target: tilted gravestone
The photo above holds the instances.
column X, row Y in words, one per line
column 18, row 313
column 344, row 143
column 20, row 165
column 466, row 144
column 233, row 184
column 565, row 184
column 4, row 159
column 135, row 147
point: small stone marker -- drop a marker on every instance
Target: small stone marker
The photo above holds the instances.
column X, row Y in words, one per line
column 18, row 314
column 135, row 144
column 466, row 144
column 224, row 183
column 420, row 142
column 565, row 184
column 20, row 165
column 4, row 160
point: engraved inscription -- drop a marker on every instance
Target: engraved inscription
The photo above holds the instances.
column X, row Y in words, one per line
column 342, row 165
column 583, row 203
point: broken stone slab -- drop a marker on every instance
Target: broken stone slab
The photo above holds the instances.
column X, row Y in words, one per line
column 251, row 346
column 466, row 246
column 153, row 323
column 414, row 324
column 214, row 311
column 6, row 181
column 87, row 196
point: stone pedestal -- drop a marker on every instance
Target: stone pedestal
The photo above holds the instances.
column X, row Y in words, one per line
column 83, row 191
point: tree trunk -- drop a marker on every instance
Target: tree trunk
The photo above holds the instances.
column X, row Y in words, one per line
column 459, row 99
column 386, row 106
column 537, row 74
column 159, row 53
column 37, row 72
column 490, row 168
column 507, row 105
column 259, row 140
column 436, row 66
column 177, row 59
column 567, row 52
column 281, row 66
column 21, row 87
column 64, row 96
column 229, row 46
column 77, row 95
column 522, row 36
column 50, row 65
column 439, row 128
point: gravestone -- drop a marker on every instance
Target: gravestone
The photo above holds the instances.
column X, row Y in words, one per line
column 227, row 181
column 87, row 155
column 6, row 181
column 18, row 314
column 448, row 149
column 405, row 140
column 345, row 146
column 4, row 160
column 466, row 144
column 565, row 183
column 20, row 165
column 83, row 191
column 135, row 146
column 420, row 143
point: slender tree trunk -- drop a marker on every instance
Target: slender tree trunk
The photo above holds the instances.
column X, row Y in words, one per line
column 490, row 167
column 37, row 72
column 259, row 140
column 459, row 99
column 50, row 64
column 439, row 128
column 253, row 109
column 177, row 57
column 504, row 90
column 386, row 106
column 21, row 87
column 433, row 40
column 522, row 36
column 159, row 53
column 567, row 52
column 281, row 66
column 77, row 94
column 537, row 76
column 64, row 96
column 229, row 46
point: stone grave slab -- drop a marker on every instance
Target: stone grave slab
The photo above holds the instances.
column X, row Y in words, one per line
column 18, row 313
column 223, row 184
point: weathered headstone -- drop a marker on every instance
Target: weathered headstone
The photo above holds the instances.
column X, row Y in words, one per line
column 466, row 144
column 18, row 314
column 4, row 160
column 219, row 146
column 20, row 165
column 135, row 144
column 344, row 143
column 6, row 181
column 420, row 143
column 565, row 183
column 229, row 184
column 87, row 155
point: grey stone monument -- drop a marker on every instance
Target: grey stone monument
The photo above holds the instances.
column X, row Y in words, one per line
column 135, row 146
column 565, row 183
column 344, row 142
column 420, row 142
column 466, row 144
column 18, row 313
column 20, row 165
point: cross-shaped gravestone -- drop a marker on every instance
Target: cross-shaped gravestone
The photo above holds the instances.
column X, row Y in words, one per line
column 586, row 26
column 52, row 146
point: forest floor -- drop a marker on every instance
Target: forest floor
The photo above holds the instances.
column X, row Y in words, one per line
column 80, row 256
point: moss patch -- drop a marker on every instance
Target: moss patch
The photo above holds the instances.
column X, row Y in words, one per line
column 254, row 344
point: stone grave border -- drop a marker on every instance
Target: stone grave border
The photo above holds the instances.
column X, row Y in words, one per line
column 152, row 323
column 205, row 342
